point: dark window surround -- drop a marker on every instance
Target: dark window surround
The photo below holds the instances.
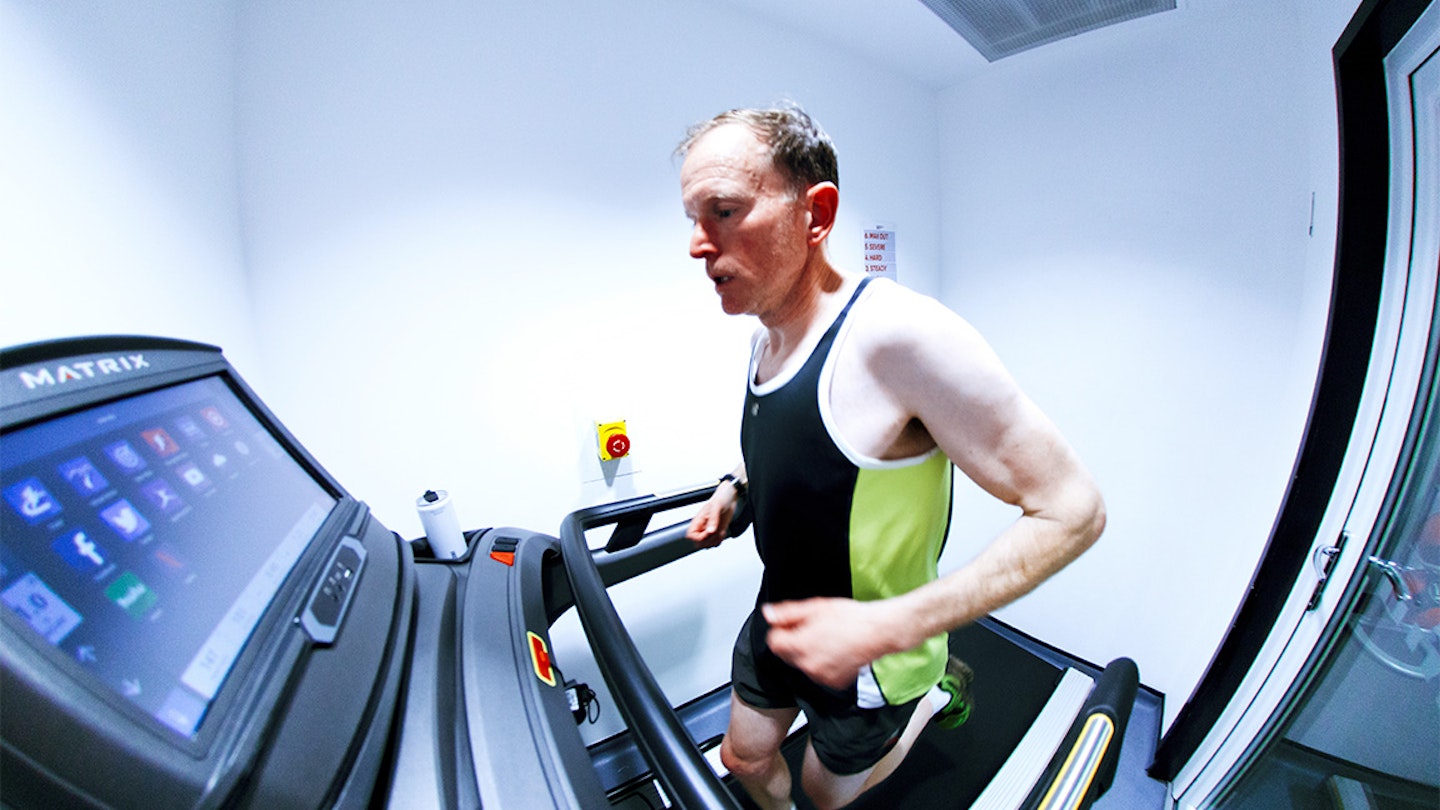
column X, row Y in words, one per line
column 1378, row 25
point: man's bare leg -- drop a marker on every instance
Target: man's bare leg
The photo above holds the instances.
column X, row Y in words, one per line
column 830, row 790
column 751, row 751
column 887, row 765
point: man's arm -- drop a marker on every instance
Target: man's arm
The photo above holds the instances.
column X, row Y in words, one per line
column 711, row 525
column 946, row 376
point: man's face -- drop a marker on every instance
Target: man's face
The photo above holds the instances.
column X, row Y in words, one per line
column 748, row 225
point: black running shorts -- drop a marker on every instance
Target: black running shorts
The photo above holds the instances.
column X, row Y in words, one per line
column 847, row 739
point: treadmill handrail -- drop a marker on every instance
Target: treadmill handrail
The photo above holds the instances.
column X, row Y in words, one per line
column 657, row 729
column 1083, row 767
column 655, row 726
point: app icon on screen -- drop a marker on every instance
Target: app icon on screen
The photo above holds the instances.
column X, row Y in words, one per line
column 188, row 426
column 193, row 475
column 130, row 593
column 169, row 561
column 83, row 476
column 182, row 711
column 41, row 607
column 125, row 456
column 214, row 417
column 163, row 496
column 32, row 501
column 160, row 442
column 125, row 520
column 80, row 551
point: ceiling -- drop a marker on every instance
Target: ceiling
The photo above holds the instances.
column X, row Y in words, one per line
column 901, row 34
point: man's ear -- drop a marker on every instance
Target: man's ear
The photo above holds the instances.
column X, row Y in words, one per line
column 823, row 201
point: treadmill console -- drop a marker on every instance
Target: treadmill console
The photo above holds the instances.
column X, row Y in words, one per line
column 174, row 570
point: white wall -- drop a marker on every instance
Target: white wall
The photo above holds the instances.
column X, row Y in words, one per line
column 467, row 220
column 118, row 196
column 1127, row 218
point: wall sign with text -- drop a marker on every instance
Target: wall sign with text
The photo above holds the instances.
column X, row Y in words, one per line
column 879, row 251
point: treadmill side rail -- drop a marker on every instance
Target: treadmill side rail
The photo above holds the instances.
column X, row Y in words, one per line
column 676, row 762
column 524, row 747
column 1084, row 765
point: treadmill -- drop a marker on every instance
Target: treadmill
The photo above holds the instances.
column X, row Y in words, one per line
column 197, row 614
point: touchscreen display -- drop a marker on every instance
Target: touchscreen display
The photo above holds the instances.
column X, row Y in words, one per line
column 144, row 539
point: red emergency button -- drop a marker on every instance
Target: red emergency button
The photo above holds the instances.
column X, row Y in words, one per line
column 614, row 440
column 618, row 444
column 540, row 657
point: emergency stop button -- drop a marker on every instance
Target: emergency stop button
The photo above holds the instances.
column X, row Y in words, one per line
column 613, row 439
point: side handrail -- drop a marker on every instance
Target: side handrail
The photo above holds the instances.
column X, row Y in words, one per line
column 1084, row 765
column 1080, row 771
column 675, row 760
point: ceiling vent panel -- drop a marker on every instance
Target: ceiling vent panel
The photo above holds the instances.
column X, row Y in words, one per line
column 1000, row 28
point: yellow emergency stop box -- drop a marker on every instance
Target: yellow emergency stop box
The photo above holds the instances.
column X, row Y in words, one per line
column 614, row 441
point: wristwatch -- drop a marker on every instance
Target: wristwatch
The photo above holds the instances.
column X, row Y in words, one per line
column 735, row 482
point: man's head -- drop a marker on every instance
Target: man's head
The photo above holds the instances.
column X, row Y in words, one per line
column 759, row 190
column 798, row 147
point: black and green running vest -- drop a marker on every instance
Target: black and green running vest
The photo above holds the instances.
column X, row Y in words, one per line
column 833, row 523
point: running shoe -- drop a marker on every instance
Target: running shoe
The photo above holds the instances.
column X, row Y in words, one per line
column 956, row 682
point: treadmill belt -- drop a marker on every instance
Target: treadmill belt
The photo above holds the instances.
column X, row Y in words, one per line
column 949, row 768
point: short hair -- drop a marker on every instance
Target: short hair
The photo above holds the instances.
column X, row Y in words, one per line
column 798, row 147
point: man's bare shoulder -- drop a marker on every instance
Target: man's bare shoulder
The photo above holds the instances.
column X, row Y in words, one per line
column 926, row 356
column 898, row 319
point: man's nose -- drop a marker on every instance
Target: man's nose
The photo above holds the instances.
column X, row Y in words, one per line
column 700, row 244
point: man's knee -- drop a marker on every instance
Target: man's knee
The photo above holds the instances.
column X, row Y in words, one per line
column 746, row 763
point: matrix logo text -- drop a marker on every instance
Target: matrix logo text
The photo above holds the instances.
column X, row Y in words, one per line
column 83, row 370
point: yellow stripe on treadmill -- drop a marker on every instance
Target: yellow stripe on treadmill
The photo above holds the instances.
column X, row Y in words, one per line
column 1081, row 764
